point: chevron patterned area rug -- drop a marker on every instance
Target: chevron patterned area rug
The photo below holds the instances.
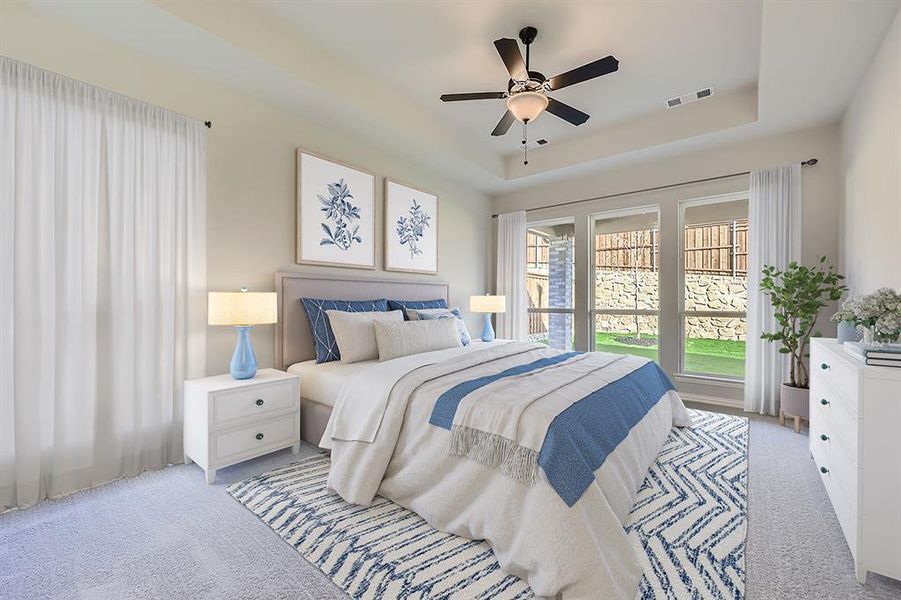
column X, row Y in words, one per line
column 690, row 517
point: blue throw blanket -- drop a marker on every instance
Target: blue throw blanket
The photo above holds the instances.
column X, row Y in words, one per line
column 582, row 436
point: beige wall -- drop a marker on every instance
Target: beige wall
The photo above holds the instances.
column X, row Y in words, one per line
column 820, row 219
column 871, row 152
column 251, row 201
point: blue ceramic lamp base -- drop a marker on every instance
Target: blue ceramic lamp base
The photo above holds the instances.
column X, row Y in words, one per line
column 244, row 361
column 487, row 329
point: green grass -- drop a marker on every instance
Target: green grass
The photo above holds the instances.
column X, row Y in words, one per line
column 702, row 355
column 718, row 357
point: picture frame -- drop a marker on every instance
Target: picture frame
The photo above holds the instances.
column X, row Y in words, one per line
column 336, row 213
column 411, row 229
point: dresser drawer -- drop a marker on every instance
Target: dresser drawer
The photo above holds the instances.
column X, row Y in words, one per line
column 826, row 405
column 827, row 368
column 256, row 438
column 830, row 453
column 845, row 511
column 257, row 401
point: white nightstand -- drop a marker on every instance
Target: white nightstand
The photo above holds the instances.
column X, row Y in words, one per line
column 228, row 421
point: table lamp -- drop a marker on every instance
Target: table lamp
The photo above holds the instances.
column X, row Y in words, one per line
column 487, row 304
column 242, row 309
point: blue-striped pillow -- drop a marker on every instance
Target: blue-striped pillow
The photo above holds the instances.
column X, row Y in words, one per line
column 323, row 336
column 414, row 304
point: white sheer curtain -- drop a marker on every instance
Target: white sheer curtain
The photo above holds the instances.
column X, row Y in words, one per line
column 774, row 238
column 102, row 282
column 511, row 275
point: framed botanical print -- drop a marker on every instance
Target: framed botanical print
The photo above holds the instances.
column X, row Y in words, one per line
column 411, row 229
column 335, row 213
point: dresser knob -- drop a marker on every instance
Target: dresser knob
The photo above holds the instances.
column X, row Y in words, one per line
column 824, row 437
column 259, row 402
column 824, row 402
column 259, row 436
column 824, row 366
column 824, row 470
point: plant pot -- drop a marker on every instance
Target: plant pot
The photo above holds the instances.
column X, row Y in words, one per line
column 847, row 332
column 794, row 402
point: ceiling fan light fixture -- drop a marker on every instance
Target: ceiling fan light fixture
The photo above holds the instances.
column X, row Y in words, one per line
column 526, row 106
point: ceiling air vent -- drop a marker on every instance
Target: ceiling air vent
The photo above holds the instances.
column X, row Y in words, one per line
column 689, row 98
column 532, row 145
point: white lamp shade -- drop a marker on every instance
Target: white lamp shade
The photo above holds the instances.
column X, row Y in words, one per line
column 526, row 106
column 242, row 308
column 488, row 304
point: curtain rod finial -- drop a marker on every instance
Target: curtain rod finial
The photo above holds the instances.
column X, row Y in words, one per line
column 209, row 124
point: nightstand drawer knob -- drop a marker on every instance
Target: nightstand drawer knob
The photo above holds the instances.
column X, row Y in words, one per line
column 823, row 401
column 824, row 437
column 259, row 436
column 824, row 470
column 259, row 402
column 824, row 366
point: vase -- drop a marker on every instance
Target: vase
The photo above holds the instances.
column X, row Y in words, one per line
column 847, row 332
column 874, row 339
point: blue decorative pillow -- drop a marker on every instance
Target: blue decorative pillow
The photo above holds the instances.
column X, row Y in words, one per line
column 428, row 315
column 414, row 304
column 323, row 336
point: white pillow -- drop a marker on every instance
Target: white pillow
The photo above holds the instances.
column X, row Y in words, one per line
column 354, row 333
column 423, row 314
column 412, row 337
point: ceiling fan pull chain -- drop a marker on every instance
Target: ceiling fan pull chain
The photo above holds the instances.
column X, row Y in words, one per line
column 525, row 141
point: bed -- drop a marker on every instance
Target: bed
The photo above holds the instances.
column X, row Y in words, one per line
column 432, row 432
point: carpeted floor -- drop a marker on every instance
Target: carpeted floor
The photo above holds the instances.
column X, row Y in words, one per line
column 168, row 534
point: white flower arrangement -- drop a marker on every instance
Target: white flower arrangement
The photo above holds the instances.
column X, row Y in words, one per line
column 879, row 312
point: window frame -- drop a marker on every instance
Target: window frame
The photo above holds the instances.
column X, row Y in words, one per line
column 681, row 372
column 593, row 311
column 571, row 310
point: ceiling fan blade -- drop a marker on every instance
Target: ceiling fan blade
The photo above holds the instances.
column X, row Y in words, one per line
column 603, row 66
column 566, row 112
column 503, row 126
column 473, row 96
column 512, row 57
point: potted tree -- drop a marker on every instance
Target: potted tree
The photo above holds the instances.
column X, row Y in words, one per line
column 797, row 295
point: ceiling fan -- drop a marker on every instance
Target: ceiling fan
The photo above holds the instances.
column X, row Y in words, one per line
column 527, row 90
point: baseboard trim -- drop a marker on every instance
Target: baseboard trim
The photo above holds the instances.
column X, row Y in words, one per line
column 712, row 400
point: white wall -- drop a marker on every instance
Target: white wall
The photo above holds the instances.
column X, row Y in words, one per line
column 251, row 202
column 871, row 157
column 821, row 209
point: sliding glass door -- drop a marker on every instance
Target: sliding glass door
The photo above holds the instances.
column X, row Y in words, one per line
column 625, row 283
column 549, row 282
column 713, row 279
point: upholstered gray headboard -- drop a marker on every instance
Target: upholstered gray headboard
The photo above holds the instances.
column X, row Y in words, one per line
column 293, row 340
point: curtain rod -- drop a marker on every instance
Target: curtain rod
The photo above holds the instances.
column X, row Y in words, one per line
column 807, row 163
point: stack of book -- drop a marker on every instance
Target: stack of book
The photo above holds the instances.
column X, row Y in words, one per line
column 882, row 356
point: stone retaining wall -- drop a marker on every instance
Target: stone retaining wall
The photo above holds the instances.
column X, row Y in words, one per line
column 618, row 289
column 704, row 292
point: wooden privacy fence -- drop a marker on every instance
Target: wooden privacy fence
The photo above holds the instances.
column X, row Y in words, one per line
column 715, row 248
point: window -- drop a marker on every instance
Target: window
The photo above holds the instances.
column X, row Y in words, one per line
column 714, row 285
column 549, row 282
column 626, row 305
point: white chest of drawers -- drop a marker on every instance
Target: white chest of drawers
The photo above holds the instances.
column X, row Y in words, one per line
column 228, row 421
column 855, row 440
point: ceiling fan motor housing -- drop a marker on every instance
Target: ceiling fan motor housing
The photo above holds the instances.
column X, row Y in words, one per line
column 535, row 83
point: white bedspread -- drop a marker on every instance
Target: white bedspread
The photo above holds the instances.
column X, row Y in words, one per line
column 361, row 403
column 577, row 552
